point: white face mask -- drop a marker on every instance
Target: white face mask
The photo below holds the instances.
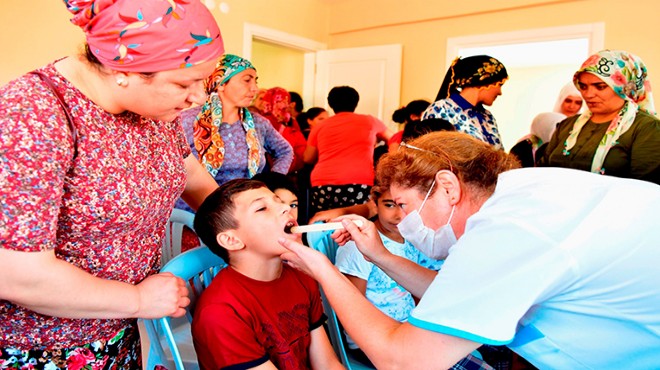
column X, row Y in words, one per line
column 434, row 244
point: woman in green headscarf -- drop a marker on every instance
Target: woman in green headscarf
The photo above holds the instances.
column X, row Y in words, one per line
column 618, row 133
column 229, row 140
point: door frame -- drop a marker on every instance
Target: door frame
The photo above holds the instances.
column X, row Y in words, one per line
column 253, row 32
column 594, row 32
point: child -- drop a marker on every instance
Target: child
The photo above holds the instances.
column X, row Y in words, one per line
column 381, row 290
column 257, row 312
column 283, row 187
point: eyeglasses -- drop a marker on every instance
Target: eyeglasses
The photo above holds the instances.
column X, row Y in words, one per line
column 443, row 155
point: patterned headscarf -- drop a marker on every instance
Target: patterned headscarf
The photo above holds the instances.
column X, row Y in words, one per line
column 148, row 35
column 475, row 71
column 207, row 138
column 626, row 74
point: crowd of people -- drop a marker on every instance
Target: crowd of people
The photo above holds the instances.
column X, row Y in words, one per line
column 464, row 253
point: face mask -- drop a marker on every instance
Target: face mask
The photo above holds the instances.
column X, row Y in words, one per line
column 434, row 244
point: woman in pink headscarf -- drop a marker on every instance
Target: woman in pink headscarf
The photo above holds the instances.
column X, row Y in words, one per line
column 93, row 159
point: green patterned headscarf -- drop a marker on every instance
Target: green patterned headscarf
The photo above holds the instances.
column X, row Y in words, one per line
column 626, row 74
column 208, row 140
column 228, row 66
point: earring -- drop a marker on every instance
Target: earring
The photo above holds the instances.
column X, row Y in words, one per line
column 121, row 81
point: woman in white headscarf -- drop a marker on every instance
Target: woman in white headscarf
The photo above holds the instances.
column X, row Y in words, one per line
column 618, row 134
column 569, row 102
column 540, row 132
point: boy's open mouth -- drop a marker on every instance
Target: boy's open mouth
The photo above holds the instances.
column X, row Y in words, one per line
column 289, row 226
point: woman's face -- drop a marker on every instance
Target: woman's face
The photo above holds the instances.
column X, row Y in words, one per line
column 315, row 121
column 488, row 95
column 571, row 105
column 410, row 199
column 163, row 95
column 259, row 101
column 240, row 90
column 599, row 97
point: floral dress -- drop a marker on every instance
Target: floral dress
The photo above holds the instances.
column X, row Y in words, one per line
column 476, row 121
column 102, row 210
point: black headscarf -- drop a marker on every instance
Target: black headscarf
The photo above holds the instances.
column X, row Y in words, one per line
column 474, row 71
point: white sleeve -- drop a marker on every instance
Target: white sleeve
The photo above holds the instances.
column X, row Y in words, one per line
column 350, row 261
column 495, row 273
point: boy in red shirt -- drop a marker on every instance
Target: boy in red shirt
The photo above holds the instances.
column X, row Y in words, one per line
column 258, row 312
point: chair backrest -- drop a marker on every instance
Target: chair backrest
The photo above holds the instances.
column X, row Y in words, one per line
column 170, row 338
column 322, row 242
column 174, row 233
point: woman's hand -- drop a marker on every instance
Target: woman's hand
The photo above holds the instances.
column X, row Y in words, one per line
column 366, row 237
column 162, row 295
column 305, row 259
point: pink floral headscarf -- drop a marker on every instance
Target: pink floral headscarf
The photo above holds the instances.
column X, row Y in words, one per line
column 148, row 35
column 626, row 74
column 277, row 100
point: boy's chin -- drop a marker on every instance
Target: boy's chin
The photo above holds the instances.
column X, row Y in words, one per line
column 294, row 237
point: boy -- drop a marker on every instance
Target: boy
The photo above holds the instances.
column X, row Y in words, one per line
column 258, row 313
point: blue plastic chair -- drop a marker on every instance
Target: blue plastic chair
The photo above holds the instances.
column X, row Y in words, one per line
column 170, row 338
column 322, row 242
column 174, row 232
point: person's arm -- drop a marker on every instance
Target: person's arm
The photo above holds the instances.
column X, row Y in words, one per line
column 275, row 145
column 359, row 283
column 387, row 342
column 199, row 183
column 50, row 286
column 366, row 210
column 321, row 354
column 644, row 154
column 311, row 155
column 385, row 135
column 413, row 277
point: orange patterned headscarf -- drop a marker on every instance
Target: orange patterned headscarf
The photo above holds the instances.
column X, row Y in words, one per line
column 148, row 35
column 208, row 140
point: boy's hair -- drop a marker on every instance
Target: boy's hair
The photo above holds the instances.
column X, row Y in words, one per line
column 276, row 180
column 216, row 214
column 343, row 99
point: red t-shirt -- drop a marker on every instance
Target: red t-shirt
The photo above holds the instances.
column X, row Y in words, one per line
column 345, row 144
column 242, row 323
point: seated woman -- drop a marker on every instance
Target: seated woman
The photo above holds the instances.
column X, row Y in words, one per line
column 540, row 132
column 618, row 134
column 229, row 140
